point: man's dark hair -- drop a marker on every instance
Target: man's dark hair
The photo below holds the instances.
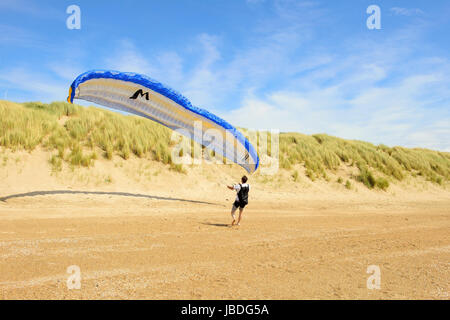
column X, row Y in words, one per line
column 244, row 179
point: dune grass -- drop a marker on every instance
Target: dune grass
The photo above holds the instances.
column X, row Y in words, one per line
column 320, row 153
column 78, row 136
column 77, row 133
column 22, row 128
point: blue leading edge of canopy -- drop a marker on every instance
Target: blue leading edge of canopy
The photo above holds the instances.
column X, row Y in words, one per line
column 167, row 92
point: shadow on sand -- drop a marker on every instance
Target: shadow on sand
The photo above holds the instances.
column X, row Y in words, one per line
column 216, row 224
column 124, row 194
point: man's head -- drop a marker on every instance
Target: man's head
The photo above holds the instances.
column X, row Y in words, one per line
column 244, row 179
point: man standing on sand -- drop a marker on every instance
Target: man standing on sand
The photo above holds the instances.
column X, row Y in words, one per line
column 241, row 201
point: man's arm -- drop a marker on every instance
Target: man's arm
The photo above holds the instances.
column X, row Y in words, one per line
column 230, row 187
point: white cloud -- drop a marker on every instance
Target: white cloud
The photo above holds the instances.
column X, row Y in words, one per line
column 128, row 58
column 394, row 115
column 67, row 70
column 254, row 1
column 35, row 9
column 406, row 11
column 17, row 36
column 43, row 87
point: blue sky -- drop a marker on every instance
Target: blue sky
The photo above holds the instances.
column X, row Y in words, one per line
column 305, row 66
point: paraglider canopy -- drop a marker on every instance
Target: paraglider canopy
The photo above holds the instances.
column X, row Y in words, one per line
column 140, row 95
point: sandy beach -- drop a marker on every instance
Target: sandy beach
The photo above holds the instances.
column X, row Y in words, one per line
column 137, row 239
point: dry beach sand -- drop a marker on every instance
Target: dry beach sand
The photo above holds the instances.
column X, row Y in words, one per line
column 142, row 232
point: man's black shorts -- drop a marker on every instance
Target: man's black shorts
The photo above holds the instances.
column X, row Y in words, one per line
column 237, row 204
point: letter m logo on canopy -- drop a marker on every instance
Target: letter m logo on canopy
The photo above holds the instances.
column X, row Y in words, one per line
column 140, row 93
